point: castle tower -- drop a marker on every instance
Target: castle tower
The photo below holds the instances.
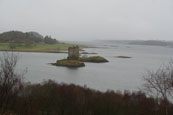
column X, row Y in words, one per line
column 73, row 53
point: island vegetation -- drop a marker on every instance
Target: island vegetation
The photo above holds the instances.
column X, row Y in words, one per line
column 94, row 59
column 30, row 42
column 69, row 63
column 79, row 62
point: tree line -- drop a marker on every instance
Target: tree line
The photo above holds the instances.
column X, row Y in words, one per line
column 28, row 38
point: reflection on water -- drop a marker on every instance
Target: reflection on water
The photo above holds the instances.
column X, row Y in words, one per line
column 118, row 74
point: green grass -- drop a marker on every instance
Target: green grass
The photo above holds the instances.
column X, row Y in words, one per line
column 41, row 47
column 4, row 46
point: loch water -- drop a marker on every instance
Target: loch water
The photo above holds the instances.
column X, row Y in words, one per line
column 119, row 74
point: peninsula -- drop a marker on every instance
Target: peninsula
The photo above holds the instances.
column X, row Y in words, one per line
column 31, row 42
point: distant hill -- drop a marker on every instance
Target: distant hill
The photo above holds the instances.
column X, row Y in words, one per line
column 142, row 42
column 150, row 43
column 21, row 37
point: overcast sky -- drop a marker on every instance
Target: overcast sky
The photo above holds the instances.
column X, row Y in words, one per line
column 90, row 19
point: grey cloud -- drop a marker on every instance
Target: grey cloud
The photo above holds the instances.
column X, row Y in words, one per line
column 90, row 19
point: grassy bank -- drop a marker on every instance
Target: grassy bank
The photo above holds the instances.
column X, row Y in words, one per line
column 41, row 47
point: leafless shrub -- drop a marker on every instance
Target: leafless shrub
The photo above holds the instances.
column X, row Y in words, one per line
column 160, row 84
column 10, row 81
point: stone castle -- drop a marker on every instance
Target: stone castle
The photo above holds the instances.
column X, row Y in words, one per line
column 73, row 53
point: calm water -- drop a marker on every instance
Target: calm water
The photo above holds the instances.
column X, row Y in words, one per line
column 118, row 74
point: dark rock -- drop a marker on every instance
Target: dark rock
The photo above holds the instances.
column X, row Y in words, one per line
column 123, row 57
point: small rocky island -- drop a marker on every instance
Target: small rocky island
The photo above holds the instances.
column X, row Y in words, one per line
column 122, row 57
column 74, row 60
column 70, row 63
column 94, row 59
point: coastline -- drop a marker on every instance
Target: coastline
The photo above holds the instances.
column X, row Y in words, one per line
column 36, row 51
column 43, row 51
column 43, row 48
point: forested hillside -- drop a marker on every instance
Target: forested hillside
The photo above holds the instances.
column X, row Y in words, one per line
column 29, row 37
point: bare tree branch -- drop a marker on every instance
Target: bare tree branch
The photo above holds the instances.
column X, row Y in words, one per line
column 160, row 83
column 10, row 81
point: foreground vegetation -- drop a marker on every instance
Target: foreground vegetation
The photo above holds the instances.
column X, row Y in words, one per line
column 51, row 98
